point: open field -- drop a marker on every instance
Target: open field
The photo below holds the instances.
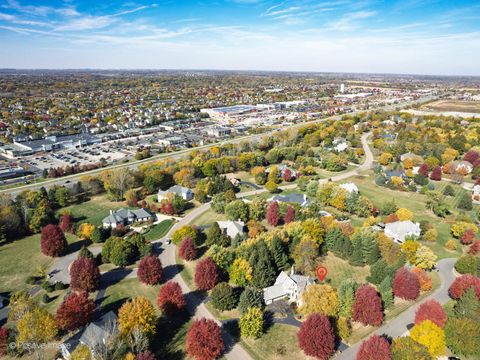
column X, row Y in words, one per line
column 93, row 210
column 339, row 269
column 158, row 231
column 453, row 105
column 207, row 218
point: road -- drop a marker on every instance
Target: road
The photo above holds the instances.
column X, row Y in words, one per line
column 399, row 326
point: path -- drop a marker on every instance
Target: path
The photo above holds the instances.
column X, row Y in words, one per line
column 399, row 325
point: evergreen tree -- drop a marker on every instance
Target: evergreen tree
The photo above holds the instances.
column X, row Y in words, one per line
column 216, row 236
column 264, row 272
column 346, row 295
column 332, row 239
column 369, row 248
column 385, row 289
column 346, row 248
column 468, row 306
column 249, row 298
column 378, row 271
column 465, row 202
column 279, row 255
column 356, row 259
column 84, row 252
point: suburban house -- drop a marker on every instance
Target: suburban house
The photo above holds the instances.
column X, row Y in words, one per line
column 340, row 145
column 94, row 336
column 463, row 167
column 282, row 168
column 289, row 286
column 232, row 228
column 399, row 230
column 476, row 193
column 414, row 157
column 127, row 217
column 184, row 192
column 349, row 187
column 300, row 199
column 397, row 173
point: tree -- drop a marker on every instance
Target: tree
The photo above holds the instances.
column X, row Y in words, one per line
column 66, row 223
column 289, row 215
column 467, row 237
column 461, row 227
column 250, row 298
column 186, row 250
column 85, row 231
column 4, row 333
column 75, row 311
column 465, row 202
column 84, row 275
column 467, row 306
column 224, row 297
column 405, row 348
column 271, row 186
column 463, row 283
column 145, row 355
column 42, row 216
column 431, row 336
column 404, row 214
column 305, row 255
column 252, row 323
column 237, row 210
column 320, row 299
column 375, row 348
column 204, row 340
column 279, row 253
column 99, row 234
column 424, row 279
column 430, row 235
column 150, row 270
column 53, row 242
column 117, row 182
column 171, row 299
column 35, row 328
column 436, row 173
column 183, row 232
column 123, row 253
column 385, row 289
column 263, row 269
column 216, row 236
column 367, row 307
column 240, row 272
column 431, row 310
column 468, row 264
column 346, row 295
column 206, row 274
column 462, row 336
column 316, row 337
column 405, row 285
column 257, row 209
column 425, row 258
column 137, row 314
column 273, row 213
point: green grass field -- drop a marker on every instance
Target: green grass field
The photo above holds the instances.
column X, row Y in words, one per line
column 208, row 217
column 94, row 210
column 339, row 269
column 158, row 231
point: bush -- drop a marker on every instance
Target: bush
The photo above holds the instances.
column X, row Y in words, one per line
column 60, row 286
column 375, row 348
column 46, row 299
column 468, row 264
column 462, row 284
column 47, row 286
column 316, row 337
column 405, row 285
column 224, row 297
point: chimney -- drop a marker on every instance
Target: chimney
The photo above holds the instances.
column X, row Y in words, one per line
column 292, row 270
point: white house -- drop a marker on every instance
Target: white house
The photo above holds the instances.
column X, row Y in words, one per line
column 232, row 228
column 476, row 193
column 340, row 145
column 127, row 217
column 184, row 192
column 289, row 286
column 399, row 230
column 464, row 166
column 349, row 187
column 282, row 168
column 300, row 199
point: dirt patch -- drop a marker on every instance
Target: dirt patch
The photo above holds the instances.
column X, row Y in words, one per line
column 453, row 105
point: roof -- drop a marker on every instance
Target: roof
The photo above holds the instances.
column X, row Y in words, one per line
column 399, row 173
column 232, row 227
column 283, row 283
column 349, row 187
column 176, row 189
column 122, row 214
column 300, row 199
column 95, row 333
column 401, row 229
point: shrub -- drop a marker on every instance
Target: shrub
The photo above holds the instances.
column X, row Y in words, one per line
column 367, row 307
column 53, row 242
column 206, row 274
column 252, row 323
column 76, row 311
column 84, row 275
column 431, row 310
column 405, row 285
column 224, row 297
column 150, row 270
column 204, row 340
column 431, row 336
column 468, row 264
column 316, row 337
column 462, row 284
column 171, row 299
column 463, row 336
column 375, row 348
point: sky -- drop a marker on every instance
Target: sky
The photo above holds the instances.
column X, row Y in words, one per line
column 363, row 36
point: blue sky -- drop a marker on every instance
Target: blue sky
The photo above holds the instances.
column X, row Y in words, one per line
column 408, row 36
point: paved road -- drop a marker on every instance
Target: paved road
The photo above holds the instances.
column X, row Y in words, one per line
column 398, row 326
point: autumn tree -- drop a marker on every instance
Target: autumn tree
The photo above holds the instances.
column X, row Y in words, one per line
column 35, row 328
column 206, row 274
column 252, row 323
column 145, row 355
column 461, row 284
column 273, row 213
column 305, row 255
column 405, row 285
column 404, row 214
column 4, row 333
column 405, row 348
column 186, row 250
column 424, row 280
column 183, row 232
column 431, row 310
column 425, row 258
column 316, row 337
column 53, row 242
column 289, row 215
column 137, row 314
column 76, row 310
column 321, row 299
column 375, row 348
column 431, row 336
column 85, row 231
column 84, row 275
column 436, row 173
column 467, row 237
column 346, row 295
column 66, row 223
column 367, row 307
column 171, row 299
column 240, row 272
column 150, row 270
column 204, row 340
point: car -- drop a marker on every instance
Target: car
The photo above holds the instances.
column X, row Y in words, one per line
column 67, row 182
column 168, row 241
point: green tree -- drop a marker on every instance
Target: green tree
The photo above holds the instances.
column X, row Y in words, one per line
column 252, row 323
column 237, row 210
column 249, row 298
column 257, row 209
column 463, row 336
column 216, row 236
column 405, row 348
column 465, row 202
column 279, row 253
column 385, row 290
column 468, row 306
column 346, row 296
column 264, row 273
column 224, row 297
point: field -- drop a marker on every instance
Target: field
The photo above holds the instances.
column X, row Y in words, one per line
column 453, row 105
column 158, row 231
column 94, row 210
column 207, row 218
column 339, row 269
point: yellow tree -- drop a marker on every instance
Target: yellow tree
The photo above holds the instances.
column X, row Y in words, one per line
column 408, row 163
column 322, row 299
column 410, row 248
column 404, row 214
column 385, row 158
column 314, row 229
column 425, row 258
column 85, row 231
column 460, row 227
column 449, row 155
column 241, row 272
column 431, row 336
column 139, row 314
column 36, row 327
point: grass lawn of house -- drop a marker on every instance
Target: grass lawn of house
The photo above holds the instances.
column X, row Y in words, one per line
column 208, row 218
column 94, row 210
column 158, row 231
column 339, row 269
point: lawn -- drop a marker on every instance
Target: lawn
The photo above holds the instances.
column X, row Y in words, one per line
column 339, row 269
column 208, row 217
column 93, row 210
column 158, row 231
column 21, row 259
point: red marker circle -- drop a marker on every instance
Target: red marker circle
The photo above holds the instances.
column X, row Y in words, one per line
column 322, row 273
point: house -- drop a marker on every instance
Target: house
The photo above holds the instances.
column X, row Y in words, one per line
column 340, row 145
column 408, row 155
column 397, row 173
column 349, row 187
column 127, row 217
column 232, row 228
column 96, row 335
column 463, row 167
column 282, row 168
column 300, row 199
column 184, row 192
column 399, row 230
column 286, row 285
column 476, row 193
column 218, row 131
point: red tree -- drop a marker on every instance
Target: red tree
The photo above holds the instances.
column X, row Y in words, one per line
column 53, row 241
column 167, row 208
column 273, row 213
column 423, row 170
column 84, row 275
column 3, row 341
column 171, row 299
column 287, row 175
column 204, row 340
column 316, row 337
column 145, row 355
column 186, row 250
column 367, row 307
column 436, row 173
column 406, row 285
column 66, row 223
column 289, row 215
column 431, row 310
column 144, row 204
column 471, row 156
column 462, row 284
column 206, row 274
column 474, row 248
column 391, row 218
column 467, row 237
column 150, row 270
column 375, row 348
column 75, row 311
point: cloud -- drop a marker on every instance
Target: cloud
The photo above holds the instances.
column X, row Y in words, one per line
column 40, row 10
column 351, row 20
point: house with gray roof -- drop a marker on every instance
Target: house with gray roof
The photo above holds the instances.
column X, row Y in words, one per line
column 399, row 230
column 300, row 199
column 127, row 217
column 289, row 286
column 232, row 228
column 184, row 192
column 282, row 168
